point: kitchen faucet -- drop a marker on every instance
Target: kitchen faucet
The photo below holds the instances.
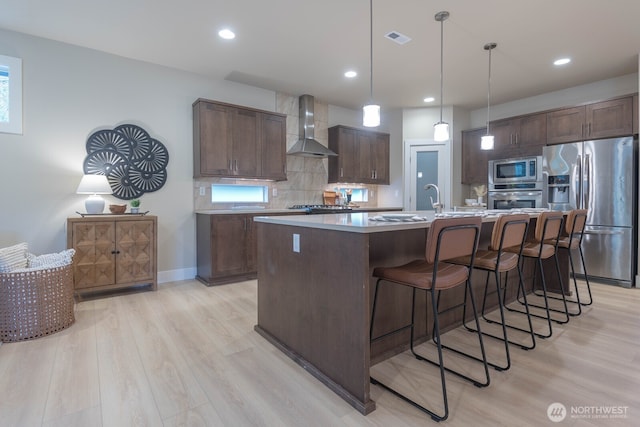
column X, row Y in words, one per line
column 436, row 205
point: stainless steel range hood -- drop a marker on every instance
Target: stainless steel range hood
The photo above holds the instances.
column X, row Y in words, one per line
column 307, row 146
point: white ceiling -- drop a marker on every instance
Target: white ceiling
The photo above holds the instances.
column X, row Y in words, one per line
column 303, row 46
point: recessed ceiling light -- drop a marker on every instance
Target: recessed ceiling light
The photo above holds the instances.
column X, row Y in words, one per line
column 350, row 74
column 227, row 34
column 429, row 99
column 562, row 61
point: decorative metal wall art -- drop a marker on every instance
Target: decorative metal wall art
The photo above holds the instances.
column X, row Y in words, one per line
column 133, row 162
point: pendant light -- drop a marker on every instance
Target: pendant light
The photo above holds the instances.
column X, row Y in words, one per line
column 486, row 143
column 371, row 111
column 441, row 129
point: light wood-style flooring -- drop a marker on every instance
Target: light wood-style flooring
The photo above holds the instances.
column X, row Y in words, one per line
column 187, row 355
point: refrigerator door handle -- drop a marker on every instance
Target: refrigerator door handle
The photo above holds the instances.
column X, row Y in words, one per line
column 576, row 180
column 603, row 232
column 587, row 181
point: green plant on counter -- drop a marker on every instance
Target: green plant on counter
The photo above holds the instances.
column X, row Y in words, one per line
column 135, row 203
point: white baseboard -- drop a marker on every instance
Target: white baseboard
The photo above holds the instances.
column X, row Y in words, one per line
column 176, row 275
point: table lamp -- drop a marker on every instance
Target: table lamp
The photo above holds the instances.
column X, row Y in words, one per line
column 94, row 185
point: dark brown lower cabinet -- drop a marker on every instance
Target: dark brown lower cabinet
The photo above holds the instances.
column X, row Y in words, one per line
column 226, row 247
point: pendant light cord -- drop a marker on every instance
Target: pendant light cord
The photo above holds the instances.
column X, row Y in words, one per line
column 489, row 91
column 441, row 63
column 489, row 47
column 371, row 51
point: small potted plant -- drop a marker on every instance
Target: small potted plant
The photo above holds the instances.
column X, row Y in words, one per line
column 135, row 206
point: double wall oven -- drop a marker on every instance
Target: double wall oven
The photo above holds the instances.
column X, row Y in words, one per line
column 515, row 183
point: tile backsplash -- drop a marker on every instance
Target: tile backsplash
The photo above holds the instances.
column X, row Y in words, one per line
column 306, row 177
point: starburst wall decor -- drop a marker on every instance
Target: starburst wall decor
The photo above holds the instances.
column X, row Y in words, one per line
column 133, row 162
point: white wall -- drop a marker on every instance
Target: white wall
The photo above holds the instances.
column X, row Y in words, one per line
column 69, row 92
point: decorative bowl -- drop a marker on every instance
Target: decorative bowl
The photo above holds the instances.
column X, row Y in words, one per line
column 471, row 202
column 117, row 209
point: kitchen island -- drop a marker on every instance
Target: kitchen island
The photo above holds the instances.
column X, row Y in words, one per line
column 315, row 290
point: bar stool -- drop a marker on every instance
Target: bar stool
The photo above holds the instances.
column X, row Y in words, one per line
column 574, row 229
column 548, row 228
column 447, row 238
column 508, row 231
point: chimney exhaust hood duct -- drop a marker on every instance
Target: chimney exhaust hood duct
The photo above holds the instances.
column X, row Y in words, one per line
column 307, row 146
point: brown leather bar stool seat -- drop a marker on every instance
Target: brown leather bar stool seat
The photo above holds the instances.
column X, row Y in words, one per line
column 446, row 239
column 572, row 241
column 508, row 231
column 548, row 228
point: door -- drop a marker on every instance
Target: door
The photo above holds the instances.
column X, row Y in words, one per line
column 609, row 182
column 429, row 164
column 617, row 244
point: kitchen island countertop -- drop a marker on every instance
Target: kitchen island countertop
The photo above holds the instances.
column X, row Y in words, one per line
column 361, row 222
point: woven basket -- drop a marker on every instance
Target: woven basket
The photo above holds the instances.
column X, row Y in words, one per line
column 36, row 303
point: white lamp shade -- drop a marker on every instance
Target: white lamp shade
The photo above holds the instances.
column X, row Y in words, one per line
column 94, row 184
column 486, row 142
column 441, row 132
column 371, row 115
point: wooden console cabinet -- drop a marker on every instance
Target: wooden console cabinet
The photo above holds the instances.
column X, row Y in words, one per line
column 113, row 251
column 238, row 142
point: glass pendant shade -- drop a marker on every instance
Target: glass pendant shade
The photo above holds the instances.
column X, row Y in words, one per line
column 441, row 132
column 371, row 115
column 486, row 143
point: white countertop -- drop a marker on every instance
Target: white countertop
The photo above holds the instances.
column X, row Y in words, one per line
column 360, row 222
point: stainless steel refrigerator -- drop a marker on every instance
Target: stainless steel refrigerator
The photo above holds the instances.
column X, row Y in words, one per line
column 600, row 176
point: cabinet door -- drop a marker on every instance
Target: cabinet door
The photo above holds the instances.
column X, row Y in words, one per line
column 212, row 139
column 380, row 158
column 246, row 148
column 531, row 134
column 474, row 160
column 365, row 142
column 344, row 167
column 94, row 261
column 609, row 118
column 273, row 143
column 504, row 139
column 228, row 244
column 252, row 245
column 636, row 114
column 566, row 125
column 135, row 251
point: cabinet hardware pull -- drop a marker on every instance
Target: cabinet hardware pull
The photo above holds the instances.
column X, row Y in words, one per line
column 236, row 165
column 115, row 252
column 341, row 174
column 516, row 139
column 230, row 165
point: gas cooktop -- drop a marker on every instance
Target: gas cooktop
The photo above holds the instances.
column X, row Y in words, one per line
column 317, row 209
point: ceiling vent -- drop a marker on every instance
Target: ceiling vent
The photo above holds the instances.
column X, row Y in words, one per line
column 397, row 37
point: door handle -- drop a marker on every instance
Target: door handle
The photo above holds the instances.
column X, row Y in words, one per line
column 576, row 180
column 603, row 232
column 587, row 181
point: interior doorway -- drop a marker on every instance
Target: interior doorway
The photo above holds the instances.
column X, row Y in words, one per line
column 428, row 162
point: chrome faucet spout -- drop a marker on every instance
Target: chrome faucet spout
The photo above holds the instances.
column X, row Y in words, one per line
column 437, row 205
